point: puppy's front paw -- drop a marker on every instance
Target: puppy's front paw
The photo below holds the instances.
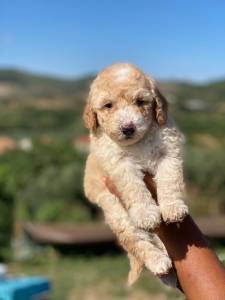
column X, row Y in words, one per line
column 159, row 264
column 145, row 217
column 174, row 212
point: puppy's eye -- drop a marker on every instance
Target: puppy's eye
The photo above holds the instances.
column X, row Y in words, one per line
column 108, row 105
column 140, row 102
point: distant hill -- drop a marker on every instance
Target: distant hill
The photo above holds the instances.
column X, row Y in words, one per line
column 16, row 84
column 213, row 92
column 20, row 85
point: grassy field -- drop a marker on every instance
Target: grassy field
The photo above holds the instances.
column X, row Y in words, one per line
column 96, row 277
column 93, row 278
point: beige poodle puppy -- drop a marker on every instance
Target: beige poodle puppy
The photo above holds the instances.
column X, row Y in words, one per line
column 131, row 133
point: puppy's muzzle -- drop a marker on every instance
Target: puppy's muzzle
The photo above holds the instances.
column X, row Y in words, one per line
column 128, row 129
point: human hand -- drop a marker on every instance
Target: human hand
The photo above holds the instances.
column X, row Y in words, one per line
column 200, row 273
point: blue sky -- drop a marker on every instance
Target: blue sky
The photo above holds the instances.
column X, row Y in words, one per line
column 169, row 39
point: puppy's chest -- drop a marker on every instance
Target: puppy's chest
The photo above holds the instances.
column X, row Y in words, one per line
column 146, row 156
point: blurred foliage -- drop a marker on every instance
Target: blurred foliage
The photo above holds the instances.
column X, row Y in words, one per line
column 31, row 118
column 6, row 215
column 47, row 182
column 205, row 172
column 210, row 123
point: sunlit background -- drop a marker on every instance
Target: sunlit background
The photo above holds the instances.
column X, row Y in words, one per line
column 50, row 52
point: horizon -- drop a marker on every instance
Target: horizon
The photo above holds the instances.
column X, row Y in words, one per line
column 86, row 75
column 171, row 41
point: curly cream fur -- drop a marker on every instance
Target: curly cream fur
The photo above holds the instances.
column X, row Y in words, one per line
column 155, row 147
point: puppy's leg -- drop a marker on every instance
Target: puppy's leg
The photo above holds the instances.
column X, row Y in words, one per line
column 135, row 196
column 143, row 246
column 136, row 267
column 170, row 189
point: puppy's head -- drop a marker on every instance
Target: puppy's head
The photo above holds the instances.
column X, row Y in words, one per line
column 124, row 103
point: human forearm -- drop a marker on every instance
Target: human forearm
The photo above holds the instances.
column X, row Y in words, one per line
column 200, row 273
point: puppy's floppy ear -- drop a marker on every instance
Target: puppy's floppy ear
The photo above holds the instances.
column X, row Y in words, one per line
column 160, row 105
column 161, row 108
column 90, row 117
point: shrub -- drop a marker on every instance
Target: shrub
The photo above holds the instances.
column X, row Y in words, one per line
column 6, row 219
column 205, row 169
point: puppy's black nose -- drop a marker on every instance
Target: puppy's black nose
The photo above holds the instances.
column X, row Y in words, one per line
column 128, row 129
